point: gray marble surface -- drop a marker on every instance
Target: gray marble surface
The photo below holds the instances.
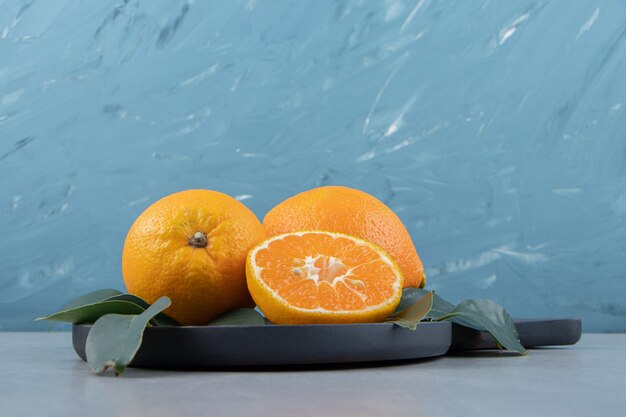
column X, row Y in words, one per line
column 41, row 376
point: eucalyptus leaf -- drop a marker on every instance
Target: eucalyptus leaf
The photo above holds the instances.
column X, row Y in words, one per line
column 239, row 317
column 412, row 315
column 114, row 339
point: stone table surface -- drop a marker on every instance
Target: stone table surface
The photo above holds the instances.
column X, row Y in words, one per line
column 41, row 376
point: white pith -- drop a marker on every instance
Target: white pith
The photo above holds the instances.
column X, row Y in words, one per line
column 310, row 269
column 312, row 273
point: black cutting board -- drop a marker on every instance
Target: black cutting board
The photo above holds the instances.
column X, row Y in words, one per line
column 190, row 347
column 532, row 333
column 197, row 347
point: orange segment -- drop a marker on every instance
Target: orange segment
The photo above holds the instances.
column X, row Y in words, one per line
column 322, row 277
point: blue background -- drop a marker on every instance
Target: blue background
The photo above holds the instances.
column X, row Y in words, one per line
column 496, row 130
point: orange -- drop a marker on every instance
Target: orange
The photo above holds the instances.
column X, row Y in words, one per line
column 346, row 210
column 322, row 277
column 191, row 246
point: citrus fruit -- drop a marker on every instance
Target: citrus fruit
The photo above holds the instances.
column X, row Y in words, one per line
column 322, row 277
column 346, row 210
column 191, row 246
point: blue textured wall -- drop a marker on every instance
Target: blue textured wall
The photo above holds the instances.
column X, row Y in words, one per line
column 496, row 130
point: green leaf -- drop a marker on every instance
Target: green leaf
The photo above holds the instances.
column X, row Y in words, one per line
column 90, row 298
column 90, row 307
column 114, row 339
column 160, row 319
column 412, row 315
column 89, row 313
column 239, row 317
column 488, row 315
column 412, row 295
column 440, row 308
column 483, row 315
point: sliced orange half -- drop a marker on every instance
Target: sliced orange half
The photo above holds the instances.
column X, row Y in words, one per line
column 322, row 277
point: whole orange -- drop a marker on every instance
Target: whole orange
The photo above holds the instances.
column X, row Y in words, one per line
column 353, row 212
column 191, row 246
